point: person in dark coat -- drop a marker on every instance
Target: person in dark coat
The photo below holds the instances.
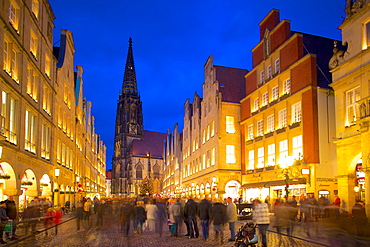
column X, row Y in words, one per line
column 359, row 217
column 12, row 213
column 190, row 212
column 127, row 213
column 79, row 214
column 219, row 219
column 140, row 217
column 100, row 210
column 204, row 213
column 3, row 220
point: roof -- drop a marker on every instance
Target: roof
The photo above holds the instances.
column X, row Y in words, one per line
column 232, row 83
column 151, row 143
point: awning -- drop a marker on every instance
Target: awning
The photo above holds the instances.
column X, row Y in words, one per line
column 253, row 185
column 282, row 182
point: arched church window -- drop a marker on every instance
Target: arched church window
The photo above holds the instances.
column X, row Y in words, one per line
column 139, row 171
column 156, row 171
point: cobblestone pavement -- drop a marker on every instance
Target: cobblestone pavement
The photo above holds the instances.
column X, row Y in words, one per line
column 110, row 235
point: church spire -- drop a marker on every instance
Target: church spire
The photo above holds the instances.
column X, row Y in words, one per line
column 129, row 80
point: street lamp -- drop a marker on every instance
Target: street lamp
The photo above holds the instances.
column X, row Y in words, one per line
column 57, row 172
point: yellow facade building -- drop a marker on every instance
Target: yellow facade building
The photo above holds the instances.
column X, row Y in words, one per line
column 211, row 135
column 350, row 68
column 48, row 145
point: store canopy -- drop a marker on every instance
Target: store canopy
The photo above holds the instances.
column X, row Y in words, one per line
column 253, row 185
column 282, row 182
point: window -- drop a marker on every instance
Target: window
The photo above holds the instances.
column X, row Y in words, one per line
column 367, row 35
column 296, row 112
column 139, row 172
column 204, row 160
column 260, row 128
column 30, row 132
column 8, row 117
column 282, row 118
column 35, row 8
column 275, row 93
column 265, row 99
column 256, row 104
column 208, row 132
column 352, row 107
column 45, row 141
column 230, row 127
column 32, row 84
column 283, row 147
column 33, row 44
column 156, row 172
column 262, row 77
column 11, row 63
column 47, row 66
column 277, row 65
column 297, row 147
column 250, row 132
column 286, row 86
column 212, row 128
column 269, row 71
column 203, row 136
column 261, row 157
column 230, row 154
column 271, row 154
column 251, row 159
column 270, row 123
column 14, row 15
column 46, row 99
column 59, row 152
column 213, row 156
column 208, row 158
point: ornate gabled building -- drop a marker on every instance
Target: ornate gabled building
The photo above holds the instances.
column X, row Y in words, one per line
column 350, row 69
column 287, row 116
column 137, row 153
column 211, row 135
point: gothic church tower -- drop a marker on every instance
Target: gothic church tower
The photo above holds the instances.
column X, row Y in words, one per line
column 129, row 125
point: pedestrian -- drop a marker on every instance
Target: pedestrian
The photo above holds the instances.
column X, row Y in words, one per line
column 336, row 204
column 100, row 210
column 3, row 220
column 280, row 219
column 151, row 214
column 261, row 217
column 48, row 221
column 205, row 216
column 171, row 217
column 359, row 217
column 161, row 217
column 191, row 211
column 140, row 217
column 127, row 213
column 87, row 208
column 12, row 213
column 79, row 215
column 178, row 214
column 218, row 213
column 232, row 217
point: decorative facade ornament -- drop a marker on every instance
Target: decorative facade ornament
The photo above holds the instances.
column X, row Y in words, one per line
column 339, row 56
column 353, row 6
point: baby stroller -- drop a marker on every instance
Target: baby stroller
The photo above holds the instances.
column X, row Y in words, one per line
column 246, row 235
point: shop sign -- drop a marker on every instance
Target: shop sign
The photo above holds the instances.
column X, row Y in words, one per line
column 361, row 180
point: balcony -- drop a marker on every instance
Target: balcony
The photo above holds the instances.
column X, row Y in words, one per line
column 281, row 130
column 294, row 125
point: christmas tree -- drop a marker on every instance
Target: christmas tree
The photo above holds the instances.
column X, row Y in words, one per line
column 146, row 187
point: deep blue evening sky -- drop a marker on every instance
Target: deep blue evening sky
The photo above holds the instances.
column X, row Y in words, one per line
column 171, row 42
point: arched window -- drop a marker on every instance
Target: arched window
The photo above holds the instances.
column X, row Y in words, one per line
column 139, row 171
column 156, row 171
